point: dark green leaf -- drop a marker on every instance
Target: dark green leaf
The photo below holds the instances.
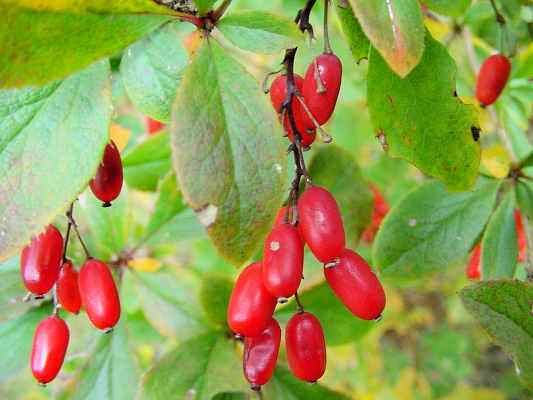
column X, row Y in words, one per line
column 51, row 142
column 145, row 164
column 431, row 229
column 215, row 291
column 503, row 308
column 421, row 121
column 11, row 290
column 524, row 197
column 356, row 38
column 92, row 6
column 199, row 368
column 336, row 169
column 395, row 28
column 151, row 70
column 453, row 8
column 228, row 152
column 260, row 32
column 204, row 5
column 499, row 245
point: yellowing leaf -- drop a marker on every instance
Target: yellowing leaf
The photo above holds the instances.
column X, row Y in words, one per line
column 119, row 135
column 496, row 161
column 412, row 386
column 465, row 392
column 437, row 28
column 485, row 122
column 145, row 264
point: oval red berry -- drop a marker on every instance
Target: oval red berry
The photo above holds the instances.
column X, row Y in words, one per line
column 320, row 223
column 354, row 283
column 99, row 294
column 283, row 261
column 306, row 347
column 67, row 291
column 492, row 78
column 40, row 261
column 261, row 355
column 473, row 269
column 107, row 183
column 153, row 126
column 50, row 343
column 251, row 306
column 520, row 236
column 321, row 101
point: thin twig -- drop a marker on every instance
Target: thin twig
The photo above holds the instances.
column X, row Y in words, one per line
column 70, row 217
column 327, row 45
column 219, row 12
column 300, row 306
column 302, row 18
column 67, row 235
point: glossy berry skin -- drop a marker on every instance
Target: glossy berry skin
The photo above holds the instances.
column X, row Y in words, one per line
column 99, row 294
column 492, row 78
column 261, row 354
column 153, row 126
column 50, row 343
column 283, row 261
column 321, row 224
column 355, row 284
column 107, row 183
column 381, row 208
column 323, row 104
column 250, row 306
column 521, row 236
column 278, row 93
column 473, row 269
column 67, row 291
column 40, row 261
column 306, row 347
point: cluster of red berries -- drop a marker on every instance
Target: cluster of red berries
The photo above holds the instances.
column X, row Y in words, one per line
column 315, row 97
column 492, row 78
column 317, row 222
column 45, row 268
column 473, row 269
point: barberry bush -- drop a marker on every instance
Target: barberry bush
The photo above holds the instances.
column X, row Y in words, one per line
column 292, row 199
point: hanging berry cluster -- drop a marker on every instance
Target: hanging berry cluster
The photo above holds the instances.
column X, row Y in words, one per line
column 45, row 268
column 311, row 217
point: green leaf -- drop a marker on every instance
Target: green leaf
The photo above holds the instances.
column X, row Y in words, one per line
column 421, row 120
column 40, row 46
column 11, row 290
column 260, row 32
column 51, row 142
column 339, row 324
column 453, row 8
column 204, row 6
column 110, row 371
column 228, row 152
column 431, row 229
column 151, row 70
column 524, row 197
column 500, row 245
column 92, row 6
column 356, row 38
column 199, row 368
column 215, row 291
column 335, row 169
column 17, row 337
column 285, row 386
column 503, row 308
column 169, row 302
column 148, row 162
column 396, row 29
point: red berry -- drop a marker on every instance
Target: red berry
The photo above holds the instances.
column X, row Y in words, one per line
column 322, row 104
column 283, row 261
column 381, row 208
column 492, row 78
column 250, row 306
column 278, row 93
column 321, row 224
column 68, row 293
column 153, row 126
column 107, row 183
column 306, row 347
column 50, row 343
column 99, row 294
column 356, row 286
column 40, row 261
column 261, row 354
column 473, row 270
column 520, row 235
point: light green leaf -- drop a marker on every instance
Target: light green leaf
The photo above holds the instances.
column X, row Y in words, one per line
column 92, row 6
column 499, row 245
column 339, row 324
column 503, row 308
column 524, row 197
column 335, row 169
column 204, row 6
column 431, row 229
column 260, row 32
column 207, row 365
column 215, row 291
column 395, row 28
column 11, row 290
column 40, row 46
column 148, row 162
column 453, row 8
column 356, row 38
column 51, row 142
column 421, row 121
column 228, row 152
column 111, row 371
column 151, row 70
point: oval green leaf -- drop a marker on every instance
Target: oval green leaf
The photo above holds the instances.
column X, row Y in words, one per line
column 351, row 28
